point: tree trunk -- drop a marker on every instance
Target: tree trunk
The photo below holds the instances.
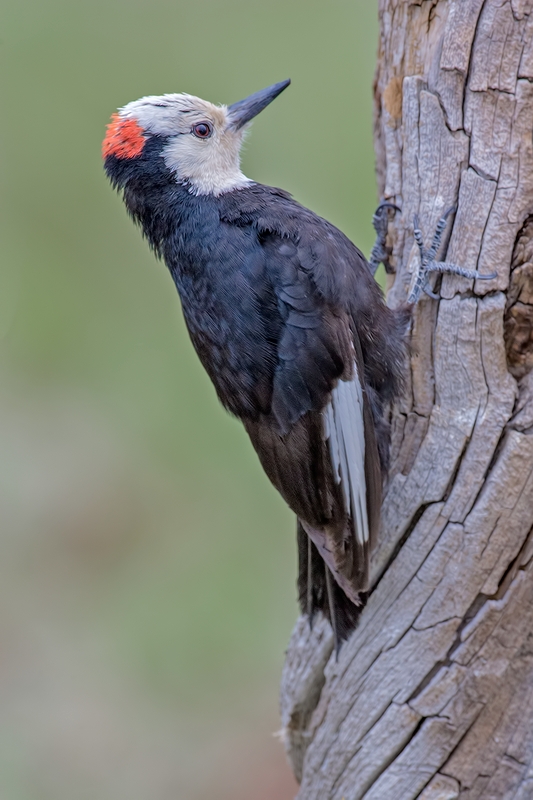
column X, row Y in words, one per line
column 432, row 696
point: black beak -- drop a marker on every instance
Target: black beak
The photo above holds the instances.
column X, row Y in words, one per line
column 242, row 112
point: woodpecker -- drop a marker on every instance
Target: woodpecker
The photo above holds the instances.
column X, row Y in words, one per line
column 285, row 316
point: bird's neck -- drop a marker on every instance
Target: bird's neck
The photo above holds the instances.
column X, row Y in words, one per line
column 153, row 207
column 170, row 214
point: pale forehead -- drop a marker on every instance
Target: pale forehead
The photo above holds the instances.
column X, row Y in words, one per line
column 167, row 113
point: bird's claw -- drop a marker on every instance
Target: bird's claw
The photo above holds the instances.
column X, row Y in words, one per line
column 428, row 262
column 488, row 277
column 380, row 221
column 429, row 293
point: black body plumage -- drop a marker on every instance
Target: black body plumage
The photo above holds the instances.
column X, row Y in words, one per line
column 280, row 306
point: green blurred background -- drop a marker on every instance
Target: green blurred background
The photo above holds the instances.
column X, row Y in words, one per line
column 147, row 568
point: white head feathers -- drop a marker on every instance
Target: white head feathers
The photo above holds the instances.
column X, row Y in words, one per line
column 203, row 148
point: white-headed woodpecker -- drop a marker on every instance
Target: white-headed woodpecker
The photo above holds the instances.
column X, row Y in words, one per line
column 286, row 318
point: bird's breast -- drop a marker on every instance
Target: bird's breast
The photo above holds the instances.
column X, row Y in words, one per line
column 231, row 312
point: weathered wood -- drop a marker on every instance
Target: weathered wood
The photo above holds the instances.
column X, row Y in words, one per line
column 432, row 696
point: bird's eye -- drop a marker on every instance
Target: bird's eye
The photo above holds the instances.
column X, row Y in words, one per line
column 203, row 130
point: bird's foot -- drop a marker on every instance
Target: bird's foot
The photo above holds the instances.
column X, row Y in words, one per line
column 380, row 252
column 429, row 264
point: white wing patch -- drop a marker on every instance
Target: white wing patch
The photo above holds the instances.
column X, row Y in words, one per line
column 344, row 430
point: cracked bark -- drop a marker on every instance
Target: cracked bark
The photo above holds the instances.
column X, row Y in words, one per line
column 432, row 696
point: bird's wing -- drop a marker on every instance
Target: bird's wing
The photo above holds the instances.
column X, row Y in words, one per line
column 317, row 443
column 325, row 462
column 345, row 435
column 351, row 446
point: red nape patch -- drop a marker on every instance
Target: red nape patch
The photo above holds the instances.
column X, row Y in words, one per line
column 124, row 138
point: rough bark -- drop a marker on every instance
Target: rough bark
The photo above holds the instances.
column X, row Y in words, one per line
column 432, row 696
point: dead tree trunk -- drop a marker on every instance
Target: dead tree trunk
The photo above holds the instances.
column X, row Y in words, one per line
column 432, row 697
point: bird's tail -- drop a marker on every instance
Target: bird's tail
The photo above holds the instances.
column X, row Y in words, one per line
column 318, row 591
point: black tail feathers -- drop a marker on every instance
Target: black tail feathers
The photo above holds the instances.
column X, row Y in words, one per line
column 318, row 591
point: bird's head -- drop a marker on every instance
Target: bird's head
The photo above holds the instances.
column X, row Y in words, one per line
column 199, row 143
